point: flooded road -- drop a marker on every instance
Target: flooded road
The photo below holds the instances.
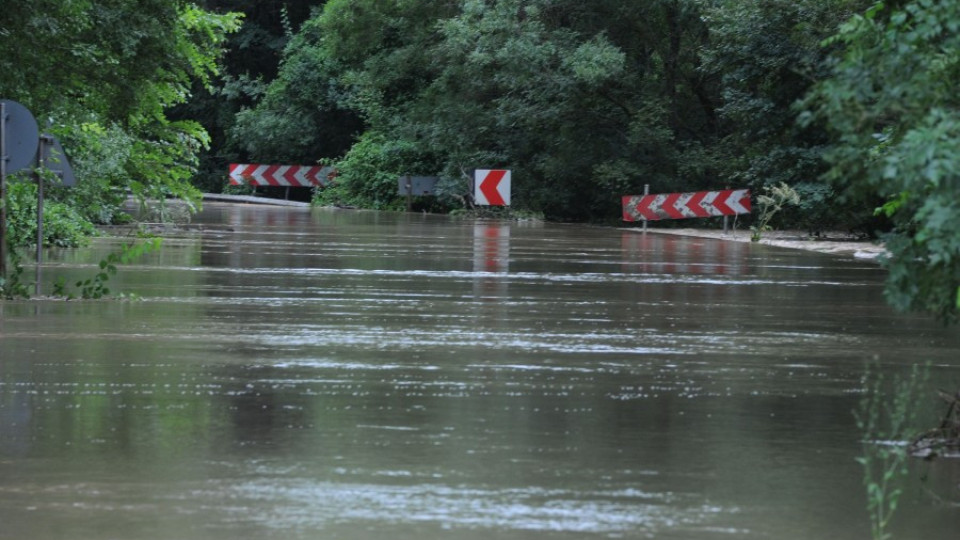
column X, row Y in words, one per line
column 298, row 374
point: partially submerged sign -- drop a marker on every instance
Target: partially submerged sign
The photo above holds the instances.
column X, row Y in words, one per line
column 19, row 142
column 418, row 185
column 697, row 204
column 20, row 136
column 281, row 175
column 55, row 160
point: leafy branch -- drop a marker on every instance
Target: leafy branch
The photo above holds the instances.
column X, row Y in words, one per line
column 96, row 287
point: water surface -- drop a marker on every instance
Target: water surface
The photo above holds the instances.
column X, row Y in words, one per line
column 334, row 374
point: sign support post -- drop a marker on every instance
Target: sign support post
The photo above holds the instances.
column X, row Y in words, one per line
column 23, row 147
column 646, row 191
column 3, row 189
column 45, row 140
column 18, row 150
column 408, row 186
column 725, row 221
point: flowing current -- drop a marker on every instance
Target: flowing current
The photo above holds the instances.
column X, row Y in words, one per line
column 301, row 374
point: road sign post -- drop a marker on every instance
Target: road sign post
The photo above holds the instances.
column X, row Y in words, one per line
column 22, row 147
column 646, row 191
column 40, row 155
column 19, row 137
column 416, row 185
column 3, row 190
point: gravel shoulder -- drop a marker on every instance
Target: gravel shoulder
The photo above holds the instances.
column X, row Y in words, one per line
column 834, row 243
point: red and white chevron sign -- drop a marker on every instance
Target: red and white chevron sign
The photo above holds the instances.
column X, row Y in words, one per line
column 698, row 204
column 492, row 187
column 280, row 175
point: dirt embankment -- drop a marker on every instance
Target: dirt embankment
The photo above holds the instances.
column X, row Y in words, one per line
column 836, row 243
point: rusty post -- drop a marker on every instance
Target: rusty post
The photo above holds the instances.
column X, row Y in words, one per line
column 44, row 141
column 3, row 190
column 646, row 191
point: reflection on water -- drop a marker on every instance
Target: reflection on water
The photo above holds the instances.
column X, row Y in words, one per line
column 308, row 374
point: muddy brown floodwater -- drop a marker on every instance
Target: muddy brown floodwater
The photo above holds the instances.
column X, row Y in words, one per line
column 302, row 374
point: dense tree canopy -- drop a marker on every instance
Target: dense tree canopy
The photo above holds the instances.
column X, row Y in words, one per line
column 584, row 101
column 891, row 102
column 251, row 60
column 102, row 74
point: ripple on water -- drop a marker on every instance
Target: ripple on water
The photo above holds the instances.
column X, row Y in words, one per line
column 310, row 505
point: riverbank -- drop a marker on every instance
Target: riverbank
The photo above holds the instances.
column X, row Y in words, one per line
column 834, row 243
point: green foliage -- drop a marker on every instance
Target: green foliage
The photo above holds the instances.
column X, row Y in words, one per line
column 99, row 155
column 244, row 189
column 63, row 225
column 367, row 175
column 892, row 104
column 96, row 286
column 583, row 101
column 12, row 285
column 299, row 118
column 766, row 55
column 250, row 62
column 104, row 74
column 886, row 418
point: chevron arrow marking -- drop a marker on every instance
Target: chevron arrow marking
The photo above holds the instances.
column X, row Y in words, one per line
column 280, row 175
column 694, row 204
column 492, row 187
column 686, row 205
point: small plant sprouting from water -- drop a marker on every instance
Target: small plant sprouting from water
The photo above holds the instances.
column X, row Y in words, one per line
column 886, row 419
column 770, row 202
column 96, row 287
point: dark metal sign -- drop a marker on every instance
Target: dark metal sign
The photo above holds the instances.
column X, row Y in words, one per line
column 21, row 136
column 418, row 185
column 19, row 139
column 54, row 159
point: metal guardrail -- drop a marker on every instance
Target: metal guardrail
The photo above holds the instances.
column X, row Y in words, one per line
column 249, row 199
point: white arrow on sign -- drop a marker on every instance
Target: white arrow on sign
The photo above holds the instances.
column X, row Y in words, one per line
column 492, row 187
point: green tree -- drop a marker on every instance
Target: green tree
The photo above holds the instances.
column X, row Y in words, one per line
column 251, row 61
column 585, row 101
column 766, row 55
column 299, row 117
column 340, row 70
column 104, row 74
column 892, row 105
